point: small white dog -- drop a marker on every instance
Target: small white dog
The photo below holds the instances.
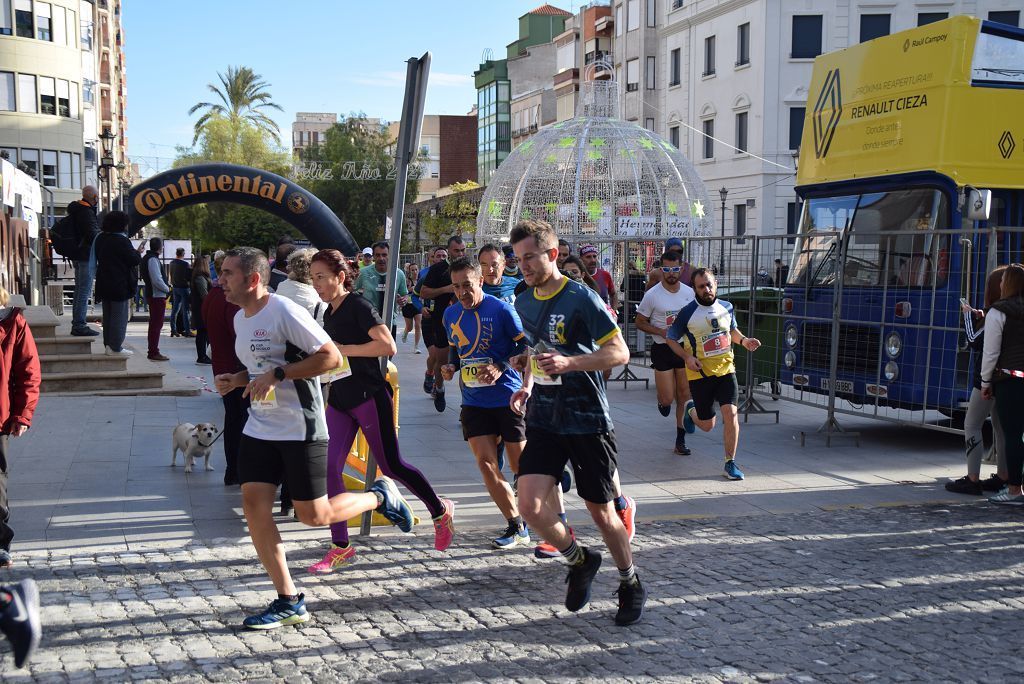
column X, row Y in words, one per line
column 193, row 441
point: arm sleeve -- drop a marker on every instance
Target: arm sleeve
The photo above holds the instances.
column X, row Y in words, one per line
column 156, row 277
column 994, row 321
column 646, row 306
column 678, row 329
column 514, row 329
column 367, row 316
column 301, row 330
column 25, row 375
column 201, row 286
column 129, row 254
column 402, row 287
column 732, row 317
column 599, row 322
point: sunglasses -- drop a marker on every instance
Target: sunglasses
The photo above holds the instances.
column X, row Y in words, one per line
column 671, row 269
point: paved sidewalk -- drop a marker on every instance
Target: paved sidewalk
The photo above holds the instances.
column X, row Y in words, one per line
column 824, row 564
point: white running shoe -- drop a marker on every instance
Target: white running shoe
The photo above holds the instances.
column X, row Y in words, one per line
column 124, row 352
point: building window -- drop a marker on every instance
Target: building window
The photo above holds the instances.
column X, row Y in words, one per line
column 7, row 101
column 792, row 222
column 5, row 19
column 64, row 171
column 709, row 138
column 632, row 15
column 739, row 218
column 632, row 75
column 618, row 21
column 1010, row 17
column 652, row 13
column 924, row 18
column 796, row 126
column 709, row 55
column 60, row 26
column 71, row 24
column 741, row 132
column 673, row 136
column 676, row 4
column 27, row 94
column 806, row 36
column 673, row 68
column 30, row 158
column 63, row 98
column 743, row 44
column 86, row 34
column 873, row 26
column 47, row 95
column 23, row 24
column 50, row 168
column 76, row 170
column 649, row 124
column 652, row 83
column 44, row 21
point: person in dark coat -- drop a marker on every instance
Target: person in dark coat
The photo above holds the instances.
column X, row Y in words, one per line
column 117, row 277
column 83, row 215
column 201, row 284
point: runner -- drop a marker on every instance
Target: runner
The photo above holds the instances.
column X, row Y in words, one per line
column 483, row 333
column 371, row 284
column 707, row 328
column 564, row 251
column 605, row 284
column 439, row 254
column 574, row 340
column 673, row 244
column 511, row 263
column 360, row 399
column 284, row 351
column 496, row 281
column 437, row 285
column 655, row 315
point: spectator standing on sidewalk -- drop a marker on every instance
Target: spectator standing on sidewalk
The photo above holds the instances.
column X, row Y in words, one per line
column 83, row 214
column 219, row 320
column 201, row 284
column 157, row 291
column 181, row 282
column 117, row 277
column 1002, row 376
column 279, row 270
column 19, row 394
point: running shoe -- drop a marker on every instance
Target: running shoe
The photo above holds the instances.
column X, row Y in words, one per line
column 512, row 537
column 664, row 409
column 19, row 620
column 444, row 526
column 428, row 384
column 394, row 507
column 579, row 580
column 405, row 336
column 688, row 423
column 338, row 557
column 681, row 447
column 628, row 517
column 545, row 550
column 993, row 483
column 417, row 351
column 280, row 613
column 964, row 485
column 439, row 402
column 1005, row 498
column 632, row 598
column 732, row 471
column 566, row 481
column 501, row 455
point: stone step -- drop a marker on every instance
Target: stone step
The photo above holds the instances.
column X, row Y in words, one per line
column 62, row 345
column 81, row 363
column 100, row 380
column 42, row 321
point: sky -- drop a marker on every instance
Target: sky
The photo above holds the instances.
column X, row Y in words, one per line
column 316, row 55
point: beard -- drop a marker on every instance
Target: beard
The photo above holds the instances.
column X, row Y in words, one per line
column 706, row 299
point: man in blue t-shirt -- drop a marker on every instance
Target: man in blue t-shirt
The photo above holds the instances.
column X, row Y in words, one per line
column 574, row 339
column 484, row 333
column 496, row 282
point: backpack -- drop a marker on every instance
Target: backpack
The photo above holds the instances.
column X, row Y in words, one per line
column 63, row 238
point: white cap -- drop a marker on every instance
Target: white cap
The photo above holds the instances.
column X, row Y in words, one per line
column 368, row 251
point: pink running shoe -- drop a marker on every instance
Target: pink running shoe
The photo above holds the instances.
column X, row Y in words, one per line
column 337, row 558
column 628, row 517
column 444, row 526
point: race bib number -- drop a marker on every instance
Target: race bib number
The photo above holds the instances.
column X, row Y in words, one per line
column 540, row 377
column 342, row 371
column 715, row 344
column 470, row 370
column 268, row 403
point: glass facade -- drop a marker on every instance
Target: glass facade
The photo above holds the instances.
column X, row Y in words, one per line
column 494, row 127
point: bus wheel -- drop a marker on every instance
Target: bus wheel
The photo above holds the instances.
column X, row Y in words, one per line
column 776, row 390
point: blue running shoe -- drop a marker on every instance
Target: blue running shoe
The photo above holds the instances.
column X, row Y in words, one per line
column 501, row 455
column 732, row 471
column 280, row 613
column 566, row 481
column 428, row 384
column 687, row 420
column 19, row 620
column 512, row 537
column 394, row 507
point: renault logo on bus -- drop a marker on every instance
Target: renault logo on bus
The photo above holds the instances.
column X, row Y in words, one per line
column 1006, row 144
column 827, row 112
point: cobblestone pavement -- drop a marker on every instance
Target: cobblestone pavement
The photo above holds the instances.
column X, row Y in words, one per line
column 925, row 593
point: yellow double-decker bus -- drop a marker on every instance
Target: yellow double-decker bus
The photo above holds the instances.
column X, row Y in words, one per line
column 911, row 172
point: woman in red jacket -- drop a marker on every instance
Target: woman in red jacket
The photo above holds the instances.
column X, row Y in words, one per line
column 19, row 394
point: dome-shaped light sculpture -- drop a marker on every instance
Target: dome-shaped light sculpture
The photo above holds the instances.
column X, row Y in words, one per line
column 596, row 177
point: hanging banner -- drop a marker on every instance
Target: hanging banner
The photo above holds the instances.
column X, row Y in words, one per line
column 7, row 172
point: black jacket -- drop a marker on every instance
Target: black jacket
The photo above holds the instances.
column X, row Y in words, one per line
column 201, row 285
column 87, row 227
column 1012, row 355
column 117, row 267
column 181, row 273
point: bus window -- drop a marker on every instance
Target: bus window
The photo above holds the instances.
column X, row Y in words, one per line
column 997, row 59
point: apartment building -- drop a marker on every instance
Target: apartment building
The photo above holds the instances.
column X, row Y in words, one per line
column 309, row 129
column 447, row 152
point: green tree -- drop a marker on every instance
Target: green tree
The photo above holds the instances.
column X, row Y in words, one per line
column 243, row 95
column 456, row 216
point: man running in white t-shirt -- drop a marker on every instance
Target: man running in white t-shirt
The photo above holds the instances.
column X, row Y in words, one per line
column 285, row 439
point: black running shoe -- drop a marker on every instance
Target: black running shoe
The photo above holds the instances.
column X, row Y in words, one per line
column 579, row 579
column 439, row 402
column 993, row 484
column 632, row 598
column 664, row 410
column 681, row 447
column 19, row 621
column 964, row 485
column 428, row 383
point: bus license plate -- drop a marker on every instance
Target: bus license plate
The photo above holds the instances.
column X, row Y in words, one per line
column 845, row 386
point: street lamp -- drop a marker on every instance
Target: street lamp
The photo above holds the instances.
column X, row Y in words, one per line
column 107, row 159
column 723, row 193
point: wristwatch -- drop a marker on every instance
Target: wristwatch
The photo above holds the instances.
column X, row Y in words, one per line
column 279, row 373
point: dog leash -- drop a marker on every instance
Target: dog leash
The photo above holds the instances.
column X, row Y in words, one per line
column 207, row 446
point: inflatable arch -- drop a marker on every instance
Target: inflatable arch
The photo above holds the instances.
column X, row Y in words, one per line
column 217, row 182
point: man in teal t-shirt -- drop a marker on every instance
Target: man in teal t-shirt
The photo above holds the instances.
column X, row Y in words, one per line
column 372, row 280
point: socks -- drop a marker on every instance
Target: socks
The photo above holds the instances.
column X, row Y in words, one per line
column 574, row 554
column 517, row 522
column 627, row 576
column 290, row 598
column 380, row 501
column 620, row 503
column 340, row 544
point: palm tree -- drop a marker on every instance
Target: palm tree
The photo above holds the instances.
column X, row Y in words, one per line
column 242, row 95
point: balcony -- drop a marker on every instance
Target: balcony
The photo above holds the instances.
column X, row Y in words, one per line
column 566, row 76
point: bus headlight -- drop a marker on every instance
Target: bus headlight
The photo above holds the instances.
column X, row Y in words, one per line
column 791, row 335
column 893, row 344
column 789, row 359
column 891, row 371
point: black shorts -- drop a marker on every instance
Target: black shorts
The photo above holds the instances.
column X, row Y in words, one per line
column 410, row 310
column 438, row 336
column 427, row 330
column 664, row 359
column 593, row 459
column 501, row 421
column 706, row 391
column 303, row 465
